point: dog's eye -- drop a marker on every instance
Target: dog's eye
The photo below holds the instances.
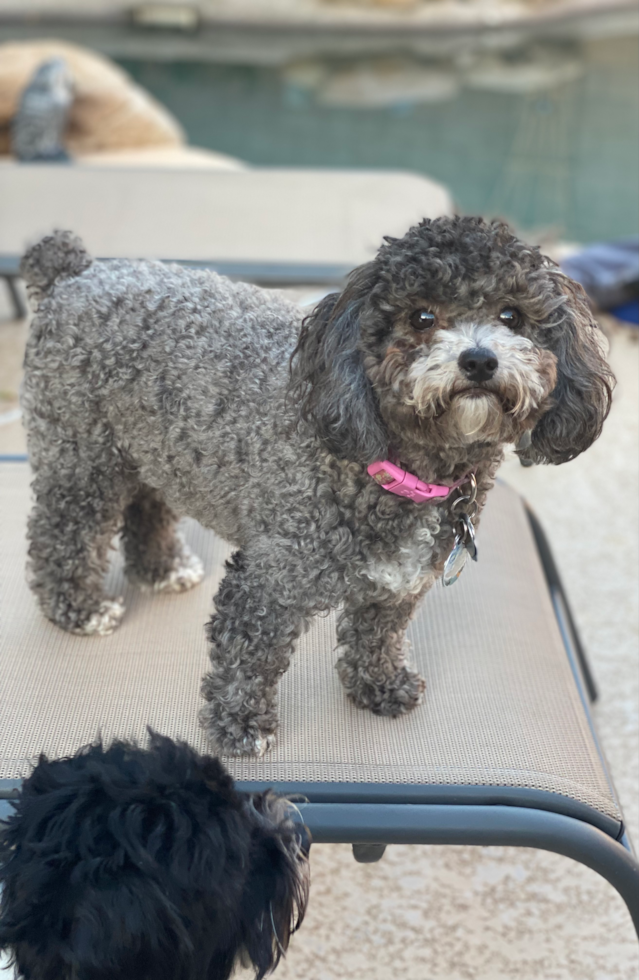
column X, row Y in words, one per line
column 422, row 319
column 510, row 316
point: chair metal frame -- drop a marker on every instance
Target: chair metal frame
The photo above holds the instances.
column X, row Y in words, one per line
column 269, row 274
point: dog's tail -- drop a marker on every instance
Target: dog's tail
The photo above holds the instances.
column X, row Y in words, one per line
column 58, row 256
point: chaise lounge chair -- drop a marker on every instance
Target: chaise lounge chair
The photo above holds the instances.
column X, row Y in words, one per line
column 503, row 750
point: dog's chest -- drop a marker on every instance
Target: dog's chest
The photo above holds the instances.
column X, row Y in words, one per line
column 404, row 564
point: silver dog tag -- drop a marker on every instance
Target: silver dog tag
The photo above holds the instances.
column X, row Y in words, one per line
column 456, row 561
column 463, row 549
column 469, row 536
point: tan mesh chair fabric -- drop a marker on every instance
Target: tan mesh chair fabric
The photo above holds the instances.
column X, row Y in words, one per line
column 501, row 707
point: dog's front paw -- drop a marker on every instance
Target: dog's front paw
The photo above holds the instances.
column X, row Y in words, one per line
column 255, row 745
column 393, row 697
column 231, row 736
column 104, row 621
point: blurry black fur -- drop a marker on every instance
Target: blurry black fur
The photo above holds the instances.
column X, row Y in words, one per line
column 125, row 863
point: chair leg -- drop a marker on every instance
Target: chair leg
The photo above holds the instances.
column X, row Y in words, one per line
column 19, row 308
column 368, row 853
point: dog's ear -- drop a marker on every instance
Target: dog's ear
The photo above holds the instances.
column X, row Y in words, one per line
column 328, row 374
column 274, row 898
column 583, row 393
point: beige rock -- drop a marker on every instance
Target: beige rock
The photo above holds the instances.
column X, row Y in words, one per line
column 110, row 112
column 383, row 82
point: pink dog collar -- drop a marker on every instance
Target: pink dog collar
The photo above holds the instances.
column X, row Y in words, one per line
column 396, row 480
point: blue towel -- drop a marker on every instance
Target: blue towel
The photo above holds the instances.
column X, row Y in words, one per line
column 609, row 272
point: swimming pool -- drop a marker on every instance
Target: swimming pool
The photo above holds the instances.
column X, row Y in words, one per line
column 559, row 155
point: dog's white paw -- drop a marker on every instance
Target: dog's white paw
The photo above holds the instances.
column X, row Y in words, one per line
column 105, row 620
column 232, row 738
column 188, row 573
column 257, row 747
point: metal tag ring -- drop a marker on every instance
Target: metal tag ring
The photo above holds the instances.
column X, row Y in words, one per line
column 467, row 497
column 473, row 487
column 472, row 505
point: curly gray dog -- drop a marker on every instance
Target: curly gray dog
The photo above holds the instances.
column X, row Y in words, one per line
column 154, row 391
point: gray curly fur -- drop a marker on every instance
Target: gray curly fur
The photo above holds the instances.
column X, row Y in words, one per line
column 154, row 391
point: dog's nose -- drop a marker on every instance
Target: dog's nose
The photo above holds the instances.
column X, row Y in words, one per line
column 478, row 364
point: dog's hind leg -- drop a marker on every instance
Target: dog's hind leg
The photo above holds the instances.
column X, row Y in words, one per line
column 372, row 666
column 252, row 634
column 78, row 508
column 156, row 555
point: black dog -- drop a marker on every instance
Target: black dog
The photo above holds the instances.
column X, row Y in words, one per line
column 133, row 864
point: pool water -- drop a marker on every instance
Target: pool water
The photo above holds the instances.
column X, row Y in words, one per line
column 560, row 159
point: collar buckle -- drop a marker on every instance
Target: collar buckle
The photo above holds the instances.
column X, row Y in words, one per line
column 404, row 484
